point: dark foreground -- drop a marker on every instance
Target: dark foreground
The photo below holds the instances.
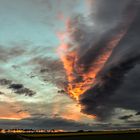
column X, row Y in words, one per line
column 10, row 137
column 74, row 136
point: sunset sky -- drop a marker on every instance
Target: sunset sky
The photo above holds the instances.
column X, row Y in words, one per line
column 69, row 64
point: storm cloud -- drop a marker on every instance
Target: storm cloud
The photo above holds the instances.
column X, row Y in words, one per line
column 111, row 88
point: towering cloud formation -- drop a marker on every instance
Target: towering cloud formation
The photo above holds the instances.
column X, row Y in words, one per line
column 99, row 98
column 96, row 56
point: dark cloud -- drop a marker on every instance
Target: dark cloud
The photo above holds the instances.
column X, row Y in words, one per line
column 60, row 123
column 26, row 92
column 107, row 19
column 135, row 124
column 138, row 113
column 127, row 125
column 21, row 110
column 46, row 123
column 20, row 89
column 2, row 93
column 95, row 43
column 99, row 99
column 61, row 91
column 127, row 96
column 103, row 97
column 17, row 88
column 92, row 55
column 104, row 11
column 125, row 117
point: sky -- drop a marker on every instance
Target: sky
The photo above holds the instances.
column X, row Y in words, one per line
column 69, row 64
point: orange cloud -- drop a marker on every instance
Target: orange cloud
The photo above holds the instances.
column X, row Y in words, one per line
column 73, row 112
column 11, row 112
column 14, row 116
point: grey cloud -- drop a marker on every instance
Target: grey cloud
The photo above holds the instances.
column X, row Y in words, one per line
column 104, row 99
column 138, row 113
column 21, row 110
column 107, row 21
column 105, row 10
column 9, row 53
column 125, row 117
column 5, row 82
column 2, row 93
column 20, row 89
column 50, row 70
column 110, row 18
column 61, row 91
column 45, row 123
column 59, row 123
column 17, row 88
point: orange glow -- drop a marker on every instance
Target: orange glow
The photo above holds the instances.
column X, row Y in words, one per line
column 14, row 116
column 57, row 131
column 69, row 57
column 74, row 113
column 77, row 116
column 12, row 113
column 70, row 116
